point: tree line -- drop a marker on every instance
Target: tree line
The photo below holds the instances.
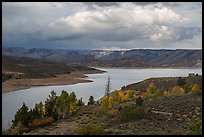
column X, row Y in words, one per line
column 54, row 108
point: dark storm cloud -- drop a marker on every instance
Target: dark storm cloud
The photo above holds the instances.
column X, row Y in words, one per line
column 96, row 25
column 101, row 4
column 105, row 4
column 71, row 37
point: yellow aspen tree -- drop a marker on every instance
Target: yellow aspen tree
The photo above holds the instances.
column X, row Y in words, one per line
column 126, row 96
column 105, row 103
column 73, row 107
column 195, row 89
column 116, row 97
column 122, row 96
column 110, row 101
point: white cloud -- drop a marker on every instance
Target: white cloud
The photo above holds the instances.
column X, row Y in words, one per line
column 118, row 17
column 108, row 23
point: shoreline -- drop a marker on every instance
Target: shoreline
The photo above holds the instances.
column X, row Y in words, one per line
column 76, row 77
column 148, row 67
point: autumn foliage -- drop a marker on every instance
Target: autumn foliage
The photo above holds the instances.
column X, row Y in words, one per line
column 195, row 89
column 106, row 103
column 151, row 90
column 41, row 122
column 176, row 90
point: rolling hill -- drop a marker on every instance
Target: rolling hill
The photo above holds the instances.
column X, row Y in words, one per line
column 24, row 67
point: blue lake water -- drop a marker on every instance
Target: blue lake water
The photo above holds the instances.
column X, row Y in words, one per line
column 119, row 77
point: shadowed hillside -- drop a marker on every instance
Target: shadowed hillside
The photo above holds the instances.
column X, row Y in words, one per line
column 23, row 67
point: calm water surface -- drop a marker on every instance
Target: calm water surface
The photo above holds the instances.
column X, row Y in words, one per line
column 119, row 77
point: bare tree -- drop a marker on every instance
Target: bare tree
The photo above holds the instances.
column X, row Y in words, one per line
column 108, row 88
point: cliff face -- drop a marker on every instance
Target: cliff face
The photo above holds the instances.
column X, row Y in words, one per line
column 109, row 58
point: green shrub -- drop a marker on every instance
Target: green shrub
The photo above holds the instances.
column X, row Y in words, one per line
column 91, row 100
column 139, row 101
column 151, row 90
column 192, row 75
column 129, row 113
column 90, row 129
column 130, row 93
column 187, row 88
column 195, row 128
column 181, row 82
column 80, row 102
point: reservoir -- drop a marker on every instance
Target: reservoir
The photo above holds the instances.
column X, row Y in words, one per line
column 119, row 77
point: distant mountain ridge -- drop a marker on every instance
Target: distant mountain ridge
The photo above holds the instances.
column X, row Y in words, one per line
column 113, row 58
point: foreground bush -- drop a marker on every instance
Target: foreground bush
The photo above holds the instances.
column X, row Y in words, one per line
column 41, row 122
column 176, row 90
column 90, row 129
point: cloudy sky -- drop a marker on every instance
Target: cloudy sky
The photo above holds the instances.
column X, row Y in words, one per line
column 102, row 25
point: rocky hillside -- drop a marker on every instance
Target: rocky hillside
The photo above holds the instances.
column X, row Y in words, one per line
column 112, row 58
column 161, row 115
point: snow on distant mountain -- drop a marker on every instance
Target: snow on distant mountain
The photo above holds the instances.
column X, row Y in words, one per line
column 114, row 58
